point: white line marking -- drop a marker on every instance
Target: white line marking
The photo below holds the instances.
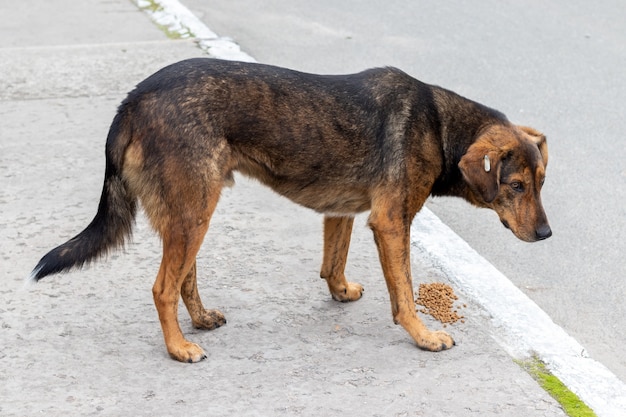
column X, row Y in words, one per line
column 522, row 328
column 179, row 19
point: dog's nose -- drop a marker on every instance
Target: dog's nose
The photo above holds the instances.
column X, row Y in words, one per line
column 543, row 232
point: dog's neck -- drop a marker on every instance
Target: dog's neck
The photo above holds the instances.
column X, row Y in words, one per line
column 461, row 121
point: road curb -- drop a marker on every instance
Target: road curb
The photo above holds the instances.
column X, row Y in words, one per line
column 178, row 19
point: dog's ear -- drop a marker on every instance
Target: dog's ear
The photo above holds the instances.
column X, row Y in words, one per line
column 539, row 139
column 480, row 167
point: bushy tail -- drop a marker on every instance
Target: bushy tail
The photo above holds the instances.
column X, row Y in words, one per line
column 112, row 224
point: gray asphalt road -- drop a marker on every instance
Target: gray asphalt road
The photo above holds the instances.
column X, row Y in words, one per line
column 557, row 66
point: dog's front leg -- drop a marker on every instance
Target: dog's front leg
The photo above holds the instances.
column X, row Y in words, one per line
column 337, row 232
column 391, row 233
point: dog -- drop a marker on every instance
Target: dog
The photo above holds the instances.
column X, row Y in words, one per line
column 378, row 140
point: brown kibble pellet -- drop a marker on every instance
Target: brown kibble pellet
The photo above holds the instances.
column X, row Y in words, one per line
column 438, row 301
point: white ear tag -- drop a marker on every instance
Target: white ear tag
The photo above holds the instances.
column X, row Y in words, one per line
column 487, row 164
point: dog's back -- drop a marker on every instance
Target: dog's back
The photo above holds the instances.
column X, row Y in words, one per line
column 304, row 135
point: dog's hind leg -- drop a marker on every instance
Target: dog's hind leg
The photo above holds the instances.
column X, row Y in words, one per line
column 188, row 222
column 179, row 253
column 200, row 317
column 337, row 232
column 391, row 233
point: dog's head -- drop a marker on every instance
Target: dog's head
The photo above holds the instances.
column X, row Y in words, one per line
column 505, row 169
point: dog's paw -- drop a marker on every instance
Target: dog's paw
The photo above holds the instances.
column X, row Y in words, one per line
column 209, row 320
column 436, row 341
column 350, row 292
column 187, row 352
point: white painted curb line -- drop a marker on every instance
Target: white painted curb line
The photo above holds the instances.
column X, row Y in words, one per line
column 179, row 19
column 522, row 328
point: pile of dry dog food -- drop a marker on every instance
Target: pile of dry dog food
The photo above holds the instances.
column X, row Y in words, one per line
column 438, row 301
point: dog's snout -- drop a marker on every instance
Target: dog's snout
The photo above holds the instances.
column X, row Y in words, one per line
column 543, row 232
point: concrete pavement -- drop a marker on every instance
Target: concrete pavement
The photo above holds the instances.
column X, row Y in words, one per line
column 89, row 342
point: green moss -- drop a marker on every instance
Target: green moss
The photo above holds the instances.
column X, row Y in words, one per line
column 571, row 404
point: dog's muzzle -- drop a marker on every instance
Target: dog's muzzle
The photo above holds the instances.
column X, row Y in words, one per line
column 543, row 232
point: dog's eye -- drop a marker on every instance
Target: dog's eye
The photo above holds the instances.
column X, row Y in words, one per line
column 517, row 186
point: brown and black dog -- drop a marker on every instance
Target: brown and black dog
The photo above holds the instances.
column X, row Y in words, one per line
column 379, row 140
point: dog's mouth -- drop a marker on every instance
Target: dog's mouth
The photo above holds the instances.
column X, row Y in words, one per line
column 541, row 234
